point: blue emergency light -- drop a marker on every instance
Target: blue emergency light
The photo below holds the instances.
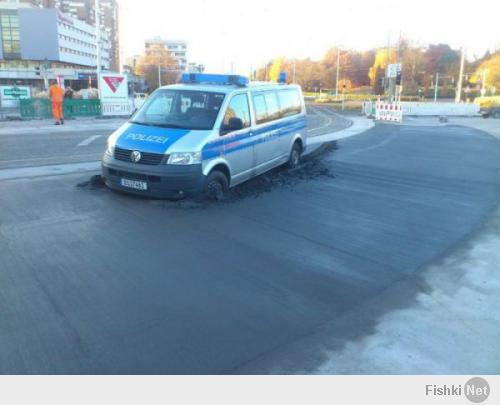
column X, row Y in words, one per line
column 282, row 78
column 198, row 78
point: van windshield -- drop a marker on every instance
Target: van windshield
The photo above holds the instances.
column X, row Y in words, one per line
column 186, row 109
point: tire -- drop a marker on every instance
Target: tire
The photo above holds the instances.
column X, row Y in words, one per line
column 295, row 154
column 216, row 186
column 496, row 114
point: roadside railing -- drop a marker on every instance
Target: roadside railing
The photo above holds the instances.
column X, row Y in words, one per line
column 42, row 108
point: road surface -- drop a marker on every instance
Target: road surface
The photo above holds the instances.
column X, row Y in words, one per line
column 72, row 143
column 94, row 281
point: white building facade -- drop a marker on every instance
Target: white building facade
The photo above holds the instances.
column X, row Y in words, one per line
column 178, row 49
column 37, row 43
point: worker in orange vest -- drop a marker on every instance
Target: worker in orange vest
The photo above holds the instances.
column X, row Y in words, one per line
column 56, row 94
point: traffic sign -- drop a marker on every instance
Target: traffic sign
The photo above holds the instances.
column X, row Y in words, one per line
column 393, row 69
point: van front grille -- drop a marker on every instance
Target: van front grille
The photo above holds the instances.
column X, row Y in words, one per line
column 147, row 158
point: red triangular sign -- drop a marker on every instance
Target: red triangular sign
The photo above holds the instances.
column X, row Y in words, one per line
column 113, row 82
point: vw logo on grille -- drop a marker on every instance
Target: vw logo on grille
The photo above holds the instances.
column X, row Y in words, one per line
column 135, row 156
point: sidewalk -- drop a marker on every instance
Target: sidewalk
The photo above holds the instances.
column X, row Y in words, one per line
column 456, row 310
column 71, row 125
column 359, row 125
column 490, row 125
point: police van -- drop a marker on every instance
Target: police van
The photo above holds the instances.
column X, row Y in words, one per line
column 204, row 135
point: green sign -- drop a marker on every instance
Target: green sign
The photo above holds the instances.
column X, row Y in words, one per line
column 15, row 92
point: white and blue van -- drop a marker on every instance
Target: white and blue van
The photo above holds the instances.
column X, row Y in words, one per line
column 204, row 135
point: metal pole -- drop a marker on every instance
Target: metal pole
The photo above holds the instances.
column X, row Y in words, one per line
column 483, row 84
column 391, row 89
column 388, row 85
column 458, row 94
column 343, row 94
column 293, row 75
column 159, row 75
column 45, row 75
column 436, row 87
column 97, row 9
column 338, row 72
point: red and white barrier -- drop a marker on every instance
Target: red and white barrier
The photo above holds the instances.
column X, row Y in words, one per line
column 392, row 112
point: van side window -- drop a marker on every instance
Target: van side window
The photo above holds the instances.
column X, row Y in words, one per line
column 273, row 107
column 259, row 103
column 238, row 108
column 266, row 106
column 289, row 102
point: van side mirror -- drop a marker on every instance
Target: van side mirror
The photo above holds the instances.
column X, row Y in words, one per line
column 234, row 124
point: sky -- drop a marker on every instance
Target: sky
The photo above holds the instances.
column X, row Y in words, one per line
column 225, row 34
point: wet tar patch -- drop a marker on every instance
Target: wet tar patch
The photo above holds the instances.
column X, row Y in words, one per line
column 95, row 182
column 312, row 167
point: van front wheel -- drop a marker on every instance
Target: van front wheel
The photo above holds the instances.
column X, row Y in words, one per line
column 294, row 159
column 216, row 186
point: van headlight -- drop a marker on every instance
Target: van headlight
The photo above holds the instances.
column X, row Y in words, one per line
column 184, row 158
column 110, row 148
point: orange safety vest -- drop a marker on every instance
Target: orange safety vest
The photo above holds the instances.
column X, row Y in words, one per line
column 56, row 93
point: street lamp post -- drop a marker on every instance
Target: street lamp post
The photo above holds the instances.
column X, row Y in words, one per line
column 338, row 72
column 436, row 87
column 98, row 36
column 458, row 94
column 483, row 83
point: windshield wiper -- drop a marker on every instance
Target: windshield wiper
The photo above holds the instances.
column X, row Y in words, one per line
column 153, row 124
column 142, row 123
column 171, row 126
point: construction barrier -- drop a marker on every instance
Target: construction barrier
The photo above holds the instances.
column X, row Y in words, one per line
column 42, row 108
column 368, row 108
column 117, row 108
column 391, row 112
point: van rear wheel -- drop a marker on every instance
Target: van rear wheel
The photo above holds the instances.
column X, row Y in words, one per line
column 216, row 186
column 295, row 154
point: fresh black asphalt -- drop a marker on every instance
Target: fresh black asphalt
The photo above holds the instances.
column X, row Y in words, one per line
column 93, row 281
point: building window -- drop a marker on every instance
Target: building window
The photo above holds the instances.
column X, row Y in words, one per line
column 10, row 35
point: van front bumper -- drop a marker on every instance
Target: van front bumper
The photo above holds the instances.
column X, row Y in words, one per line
column 163, row 181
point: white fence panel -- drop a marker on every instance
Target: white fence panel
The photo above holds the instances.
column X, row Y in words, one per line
column 430, row 109
column 110, row 108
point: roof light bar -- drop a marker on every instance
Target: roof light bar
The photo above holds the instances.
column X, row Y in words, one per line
column 198, row 78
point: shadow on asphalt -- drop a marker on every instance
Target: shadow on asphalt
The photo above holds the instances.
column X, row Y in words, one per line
column 312, row 167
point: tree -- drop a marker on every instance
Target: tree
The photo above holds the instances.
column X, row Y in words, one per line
column 439, row 57
column 491, row 67
column 274, row 71
column 413, row 67
column 147, row 66
column 367, row 68
column 383, row 58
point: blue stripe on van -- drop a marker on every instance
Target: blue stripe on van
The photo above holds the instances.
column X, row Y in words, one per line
column 247, row 139
column 149, row 138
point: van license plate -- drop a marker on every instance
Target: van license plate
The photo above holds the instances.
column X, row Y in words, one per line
column 138, row 185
